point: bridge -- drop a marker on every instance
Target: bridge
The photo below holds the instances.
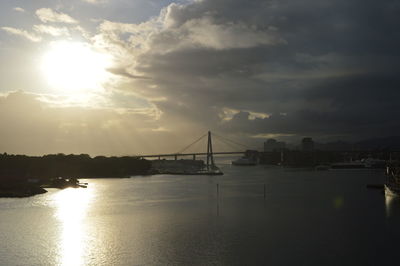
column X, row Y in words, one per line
column 209, row 154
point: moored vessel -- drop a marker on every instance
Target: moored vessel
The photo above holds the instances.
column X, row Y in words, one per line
column 349, row 165
column 322, row 167
column 244, row 161
column 368, row 163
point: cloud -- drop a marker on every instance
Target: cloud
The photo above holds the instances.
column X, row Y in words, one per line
column 207, row 33
column 321, row 71
column 30, row 36
column 19, row 9
column 159, row 34
column 124, row 73
column 53, row 31
column 95, row 1
column 49, row 15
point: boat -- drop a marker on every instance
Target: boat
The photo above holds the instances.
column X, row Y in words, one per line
column 322, row 167
column 244, row 161
column 392, row 184
column 368, row 163
column 62, row 183
column 213, row 171
column 374, row 163
column 349, row 165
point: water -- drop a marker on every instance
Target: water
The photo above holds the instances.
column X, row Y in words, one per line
column 306, row 218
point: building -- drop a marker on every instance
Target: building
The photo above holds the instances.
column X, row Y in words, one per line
column 307, row 144
column 273, row 145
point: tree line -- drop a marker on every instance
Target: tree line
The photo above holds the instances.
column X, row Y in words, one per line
column 22, row 167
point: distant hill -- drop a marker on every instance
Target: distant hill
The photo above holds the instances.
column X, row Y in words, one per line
column 334, row 146
column 385, row 143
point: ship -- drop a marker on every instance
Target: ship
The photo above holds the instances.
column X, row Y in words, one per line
column 392, row 184
column 244, row 161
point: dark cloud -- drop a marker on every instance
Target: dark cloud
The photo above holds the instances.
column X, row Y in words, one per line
column 336, row 73
column 124, row 73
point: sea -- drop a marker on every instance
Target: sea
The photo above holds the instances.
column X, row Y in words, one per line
column 256, row 215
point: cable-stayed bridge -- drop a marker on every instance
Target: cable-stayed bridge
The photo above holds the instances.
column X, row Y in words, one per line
column 238, row 149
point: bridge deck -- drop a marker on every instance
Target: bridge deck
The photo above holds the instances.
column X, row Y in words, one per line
column 189, row 154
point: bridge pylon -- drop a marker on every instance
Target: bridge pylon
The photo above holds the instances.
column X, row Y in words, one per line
column 210, row 157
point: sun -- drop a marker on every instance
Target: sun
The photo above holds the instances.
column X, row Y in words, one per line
column 75, row 68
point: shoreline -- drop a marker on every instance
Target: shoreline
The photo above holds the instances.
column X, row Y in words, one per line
column 21, row 192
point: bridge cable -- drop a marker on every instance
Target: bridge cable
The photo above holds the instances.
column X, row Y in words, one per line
column 226, row 142
column 191, row 144
column 245, row 146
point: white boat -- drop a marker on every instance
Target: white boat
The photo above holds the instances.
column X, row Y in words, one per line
column 244, row 161
column 374, row 163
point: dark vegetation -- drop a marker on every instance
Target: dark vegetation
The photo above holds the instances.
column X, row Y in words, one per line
column 19, row 189
column 18, row 168
column 24, row 176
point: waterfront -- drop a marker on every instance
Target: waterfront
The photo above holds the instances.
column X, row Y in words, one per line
column 307, row 218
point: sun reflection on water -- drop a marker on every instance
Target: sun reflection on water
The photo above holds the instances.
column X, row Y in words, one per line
column 72, row 205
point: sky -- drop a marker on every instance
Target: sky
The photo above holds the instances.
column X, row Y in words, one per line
column 126, row 77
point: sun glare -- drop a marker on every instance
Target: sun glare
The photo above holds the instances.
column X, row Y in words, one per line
column 72, row 206
column 74, row 67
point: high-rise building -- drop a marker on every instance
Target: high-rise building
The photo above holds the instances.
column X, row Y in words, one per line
column 273, row 145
